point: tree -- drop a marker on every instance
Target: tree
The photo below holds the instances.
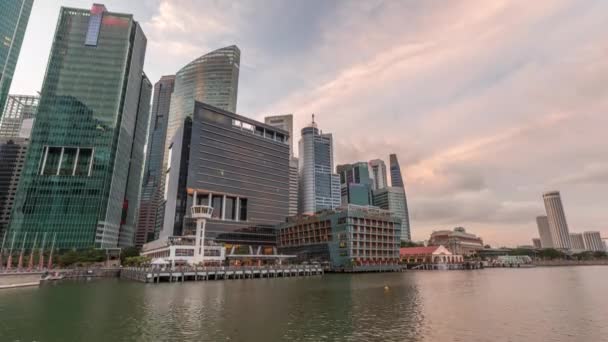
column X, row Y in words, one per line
column 551, row 253
column 410, row 244
column 128, row 252
column 136, row 261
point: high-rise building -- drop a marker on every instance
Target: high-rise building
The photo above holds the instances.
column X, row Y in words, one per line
column 377, row 171
column 557, row 220
column 14, row 16
column 285, row 122
column 397, row 181
column 152, row 191
column 576, row 241
column 355, row 184
column 593, row 241
column 18, row 117
column 542, row 222
column 319, row 187
column 393, row 200
column 12, row 156
column 80, row 173
column 236, row 165
column 536, row 243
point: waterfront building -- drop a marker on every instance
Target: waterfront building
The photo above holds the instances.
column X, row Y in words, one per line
column 377, row 172
column 428, row 255
column 319, row 187
column 593, row 241
column 393, row 200
column 236, row 165
column 577, row 242
column 458, row 241
column 546, row 241
column 12, row 156
column 397, row 182
column 557, row 220
column 152, row 190
column 355, row 184
column 285, row 122
column 536, row 243
column 349, row 238
column 86, row 142
column 18, row 117
column 14, row 16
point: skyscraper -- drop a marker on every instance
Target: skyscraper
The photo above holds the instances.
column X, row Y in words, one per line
column 19, row 114
column 81, row 171
column 12, row 155
column 14, row 16
column 397, row 181
column 152, row 191
column 542, row 222
column 392, row 199
column 557, row 220
column 319, row 187
column 355, row 184
column 285, row 122
column 378, row 174
column 593, row 241
column 577, row 242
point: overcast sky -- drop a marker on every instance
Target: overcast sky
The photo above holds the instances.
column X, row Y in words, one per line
column 487, row 103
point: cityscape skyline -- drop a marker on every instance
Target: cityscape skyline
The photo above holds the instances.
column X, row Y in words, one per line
column 441, row 181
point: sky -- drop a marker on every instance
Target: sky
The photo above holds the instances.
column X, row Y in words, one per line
column 487, row 104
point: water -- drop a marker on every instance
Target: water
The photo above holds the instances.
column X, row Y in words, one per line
column 541, row 304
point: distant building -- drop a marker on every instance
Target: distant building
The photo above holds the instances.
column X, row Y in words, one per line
column 397, row 182
column 542, row 222
column 393, row 200
column 18, row 117
column 536, row 243
column 355, row 184
column 319, row 186
column 593, row 241
column 377, row 171
column 14, row 16
column 12, row 157
column 351, row 238
column 557, row 220
column 458, row 241
column 428, row 255
column 577, row 242
column 285, row 122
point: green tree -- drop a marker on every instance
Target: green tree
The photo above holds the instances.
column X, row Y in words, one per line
column 128, row 252
column 410, row 244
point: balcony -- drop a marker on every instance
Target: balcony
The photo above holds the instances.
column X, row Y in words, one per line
column 201, row 211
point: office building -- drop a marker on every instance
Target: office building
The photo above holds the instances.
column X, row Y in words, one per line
column 393, row 200
column 577, row 242
column 397, row 182
column 536, row 243
column 14, row 16
column 557, row 220
column 355, row 184
column 593, row 241
column 82, row 173
column 18, row 117
column 350, row 238
column 546, row 241
column 285, row 122
column 152, row 191
column 458, row 241
column 319, row 186
column 377, row 172
column 12, row 156
column 236, row 165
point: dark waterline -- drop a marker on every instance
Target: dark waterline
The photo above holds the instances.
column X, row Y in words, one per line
column 541, row 304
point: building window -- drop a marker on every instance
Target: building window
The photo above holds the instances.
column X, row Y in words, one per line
column 216, row 203
column 243, row 209
column 66, row 161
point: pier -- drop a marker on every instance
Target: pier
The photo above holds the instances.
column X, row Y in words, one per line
column 179, row 275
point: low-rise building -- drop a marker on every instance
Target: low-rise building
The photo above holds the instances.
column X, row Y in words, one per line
column 457, row 241
column 350, row 238
column 428, row 255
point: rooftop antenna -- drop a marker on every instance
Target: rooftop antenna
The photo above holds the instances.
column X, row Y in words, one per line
column 313, row 118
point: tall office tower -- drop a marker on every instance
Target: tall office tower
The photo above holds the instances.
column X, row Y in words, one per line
column 577, row 242
column 238, row 166
column 355, row 184
column 152, row 191
column 593, row 241
column 542, row 222
column 397, row 181
column 285, row 122
column 536, row 243
column 88, row 124
column 378, row 174
column 319, row 187
column 12, row 155
column 557, row 220
column 14, row 15
column 19, row 114
column 392, row 199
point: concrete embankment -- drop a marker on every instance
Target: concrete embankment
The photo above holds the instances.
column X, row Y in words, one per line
column 21, row 279
column 571, row 262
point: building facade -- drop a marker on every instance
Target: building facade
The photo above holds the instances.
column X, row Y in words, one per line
column 12, row 157
column 458, row 241
column 536, row 243
column 152, row 190
column 285, row 122
column 593, row 241
column 319, row 186
column 377, row 172
column 14, row 16
column 414, row 256
column 397, row 182
column 546, row 241
column 577, row 242
column 392, row 199
column 560, row 235
column 236, row 165
column 18, row 117
column 75, row 182
column 350, row 238
column 355, row 184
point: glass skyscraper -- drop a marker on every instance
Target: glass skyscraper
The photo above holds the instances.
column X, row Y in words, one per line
column 82, row 174
column 18, row 117
column 355, row 184
column 14, row 15
column 397, row 182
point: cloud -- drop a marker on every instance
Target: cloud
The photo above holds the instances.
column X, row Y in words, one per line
column 594, row 173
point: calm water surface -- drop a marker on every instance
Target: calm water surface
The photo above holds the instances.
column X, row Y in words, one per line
column 541, row 304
